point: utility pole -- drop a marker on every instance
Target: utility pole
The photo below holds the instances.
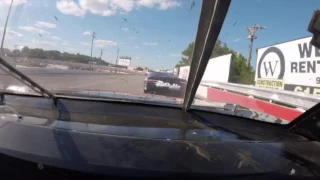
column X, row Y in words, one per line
column 5, row 27
column 101, row 56
column 101, row 53
column 115, row 69
column 252, row 36
column 93, row 36
column 15, row 55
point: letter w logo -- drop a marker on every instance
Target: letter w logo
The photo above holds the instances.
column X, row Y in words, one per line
column 269, row 68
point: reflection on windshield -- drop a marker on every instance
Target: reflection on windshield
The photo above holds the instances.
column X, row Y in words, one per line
column 116, row 49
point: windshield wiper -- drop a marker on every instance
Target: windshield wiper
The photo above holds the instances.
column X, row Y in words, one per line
column 6, row 67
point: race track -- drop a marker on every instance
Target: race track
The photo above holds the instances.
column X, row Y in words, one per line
column 55, row 79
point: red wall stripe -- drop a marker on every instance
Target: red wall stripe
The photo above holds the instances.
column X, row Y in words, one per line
column 282, row 112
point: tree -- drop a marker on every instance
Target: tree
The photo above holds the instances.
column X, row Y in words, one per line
column 187, row 53
column 25, row 51
column 16, row 52
column 239, row 71
column 54, row 55
column 139, row 68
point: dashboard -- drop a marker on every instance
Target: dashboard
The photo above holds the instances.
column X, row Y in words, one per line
column 121, row 139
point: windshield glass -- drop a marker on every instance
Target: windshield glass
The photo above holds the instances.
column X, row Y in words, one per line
column 262, row 60
column 262, row 66
column 114, row 46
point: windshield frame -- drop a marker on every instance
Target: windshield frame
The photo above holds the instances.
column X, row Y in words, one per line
column 212, row 16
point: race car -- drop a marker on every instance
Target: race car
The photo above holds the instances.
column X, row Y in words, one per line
column 158, row 82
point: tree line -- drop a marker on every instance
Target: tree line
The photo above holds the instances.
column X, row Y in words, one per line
column 53, row 55
column 239, row 71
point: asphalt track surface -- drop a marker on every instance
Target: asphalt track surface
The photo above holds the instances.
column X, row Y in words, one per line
column 56, row 79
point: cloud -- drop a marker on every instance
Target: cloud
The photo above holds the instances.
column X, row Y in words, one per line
column 150, row 43
column 137, row 47
column 10, row 32
column 236, row 40
column 125, row 29
column 87, row 33
column 65, row 44
column 41, row 24
column 56, row 38
column 112, row 7
column 69, row 7
column 33, row 29
column 85, row 44
column 167, row 4
column 44, row 43
column 102, row 43
column 108, row 7
column 159, row 4
column 15, row 2
column 176, row 55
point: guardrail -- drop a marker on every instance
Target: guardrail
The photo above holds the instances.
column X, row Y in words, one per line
column 295, row 99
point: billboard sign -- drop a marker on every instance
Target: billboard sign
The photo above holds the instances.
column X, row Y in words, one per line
column 184, row 72
column 293, row 66
column 124, row 61
column 218, row 69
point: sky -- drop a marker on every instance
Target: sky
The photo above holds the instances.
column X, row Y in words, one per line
column 285, row 20
column 152, row 32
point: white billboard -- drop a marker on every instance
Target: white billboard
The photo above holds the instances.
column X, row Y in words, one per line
column 293, row 66
column 175, row 71
column 184, row 72
column 218, row 69
column 124, row 61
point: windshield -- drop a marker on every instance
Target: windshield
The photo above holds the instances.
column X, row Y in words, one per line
column 262, row 62
column 72, row 46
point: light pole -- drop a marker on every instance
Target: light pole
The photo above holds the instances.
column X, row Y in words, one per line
column 252, row 36
column 5, row 26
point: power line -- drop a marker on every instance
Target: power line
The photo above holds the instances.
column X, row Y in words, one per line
column 252, row 36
